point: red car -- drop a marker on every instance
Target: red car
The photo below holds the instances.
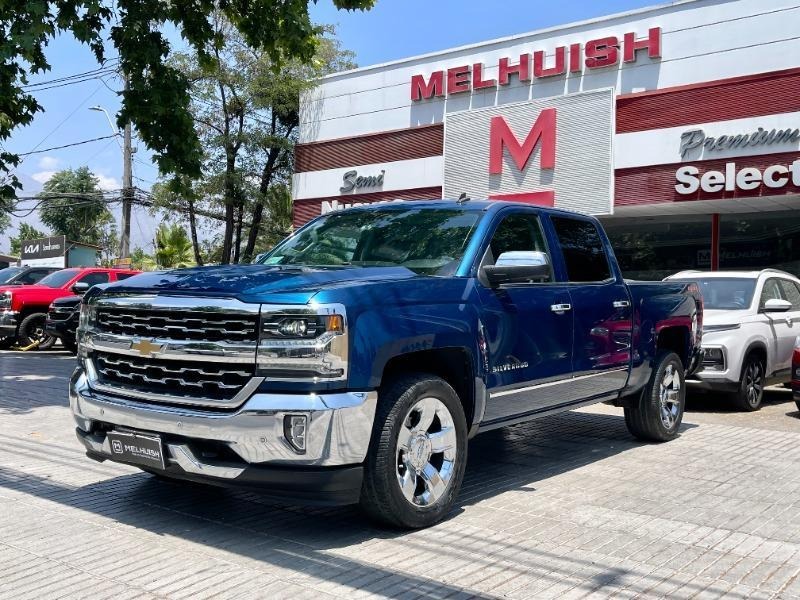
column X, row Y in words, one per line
column 23, row 309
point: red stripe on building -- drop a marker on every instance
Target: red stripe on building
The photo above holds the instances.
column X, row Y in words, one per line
column 542, row 198
column 656, row 184
column 386, row 146
column 308, row 208
column 722, row 100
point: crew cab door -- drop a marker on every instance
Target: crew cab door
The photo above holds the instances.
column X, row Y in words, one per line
column 601, row 306
column 527, row 327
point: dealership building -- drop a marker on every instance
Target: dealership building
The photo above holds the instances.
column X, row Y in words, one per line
column 677, row 125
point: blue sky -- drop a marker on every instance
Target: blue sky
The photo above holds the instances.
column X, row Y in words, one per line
column 394, row 29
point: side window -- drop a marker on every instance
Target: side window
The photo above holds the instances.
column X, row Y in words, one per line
column 791, row 293
column 517, row 233
column 30, row 277
column 583, row 250
column 772, row 291
column 94, row 278
column 123, row 276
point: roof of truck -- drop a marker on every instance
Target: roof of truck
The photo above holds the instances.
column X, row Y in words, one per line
column 469, row 204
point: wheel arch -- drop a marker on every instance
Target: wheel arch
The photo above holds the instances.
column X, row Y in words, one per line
column 675, row 338
column 453, row 364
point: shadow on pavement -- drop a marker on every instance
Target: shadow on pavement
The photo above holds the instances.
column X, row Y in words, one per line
column 30, row 380
column 304, row 541
column 713, row 402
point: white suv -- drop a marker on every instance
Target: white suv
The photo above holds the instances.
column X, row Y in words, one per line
column 750, row 323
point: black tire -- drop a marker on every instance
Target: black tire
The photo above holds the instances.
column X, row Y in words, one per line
column 399, row 403
column 69, row 345
column 656, row 415
column 31, row 330
column 750, row 394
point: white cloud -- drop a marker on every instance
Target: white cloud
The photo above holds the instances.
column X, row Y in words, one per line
column 108, row 183
column 42, row 176
column 49, row 163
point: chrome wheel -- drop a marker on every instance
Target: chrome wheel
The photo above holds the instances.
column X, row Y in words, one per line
column 426, row 452
column 753, row 383
column 670, row 397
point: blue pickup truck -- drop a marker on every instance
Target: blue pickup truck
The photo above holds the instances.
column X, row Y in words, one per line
column 357, row 359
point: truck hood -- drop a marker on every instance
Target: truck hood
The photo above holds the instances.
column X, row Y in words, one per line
column 256, row 283
column 37, row 290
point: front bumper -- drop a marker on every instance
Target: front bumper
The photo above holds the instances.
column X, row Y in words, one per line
column 9, row 321
column 255, row 452
column 62, row 327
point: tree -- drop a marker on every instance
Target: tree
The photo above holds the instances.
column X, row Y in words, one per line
column 26, row 232
column 141, row 261
column 173, row 248
column 156, row 98
column 108, row 239
column 73, row 205
column 246, row 113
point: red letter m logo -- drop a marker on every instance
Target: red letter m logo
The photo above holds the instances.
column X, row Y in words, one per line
column 501, row 136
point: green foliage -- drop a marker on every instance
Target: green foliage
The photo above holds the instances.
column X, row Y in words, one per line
column 246, row 113
column 173, row 247
column 157, row 97
column 141, row 261
column 26, row 232
column 73, row 205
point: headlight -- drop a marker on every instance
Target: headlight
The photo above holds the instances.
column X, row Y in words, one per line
column 5, row 300
column 87, row 315
column 306, row 344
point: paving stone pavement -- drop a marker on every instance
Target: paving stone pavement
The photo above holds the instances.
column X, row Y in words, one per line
column 569, row 506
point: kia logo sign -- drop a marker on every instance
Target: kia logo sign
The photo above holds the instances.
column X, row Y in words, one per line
column 49, row 247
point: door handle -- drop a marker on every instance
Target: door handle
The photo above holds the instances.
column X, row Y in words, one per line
column 559, row 308
column 621, row 304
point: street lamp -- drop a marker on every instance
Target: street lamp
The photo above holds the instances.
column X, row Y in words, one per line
column 127, row 181
column 114, row 128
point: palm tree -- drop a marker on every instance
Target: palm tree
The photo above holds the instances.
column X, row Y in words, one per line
column 173, row 247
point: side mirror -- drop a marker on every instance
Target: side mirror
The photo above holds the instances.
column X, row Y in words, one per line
column 81, row 288
column 776, row 305
column 258, row 258
column 518, row 267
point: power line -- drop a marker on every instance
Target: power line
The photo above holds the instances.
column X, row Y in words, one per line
column 99, row 75
column 65, row 119
column 105, row 67
column 105, row 137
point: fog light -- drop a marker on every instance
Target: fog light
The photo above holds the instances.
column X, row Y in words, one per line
column 294, row 430
column 714, row 359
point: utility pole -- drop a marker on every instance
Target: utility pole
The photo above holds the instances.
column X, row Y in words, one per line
column 127, row 189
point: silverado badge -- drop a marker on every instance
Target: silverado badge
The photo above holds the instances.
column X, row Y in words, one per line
column 146, row 347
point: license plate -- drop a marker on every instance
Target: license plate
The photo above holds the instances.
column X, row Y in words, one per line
column 145, row 450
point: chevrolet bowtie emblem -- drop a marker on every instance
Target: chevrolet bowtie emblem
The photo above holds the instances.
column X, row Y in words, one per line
column 146, row 347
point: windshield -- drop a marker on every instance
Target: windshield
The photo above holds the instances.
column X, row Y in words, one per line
column 725, row 293
column 424, row 240
column 9, row 273
column 59, row 278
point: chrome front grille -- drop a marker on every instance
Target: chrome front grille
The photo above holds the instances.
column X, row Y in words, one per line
column 209, row 381
column 182, row 325
column 172, row 349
